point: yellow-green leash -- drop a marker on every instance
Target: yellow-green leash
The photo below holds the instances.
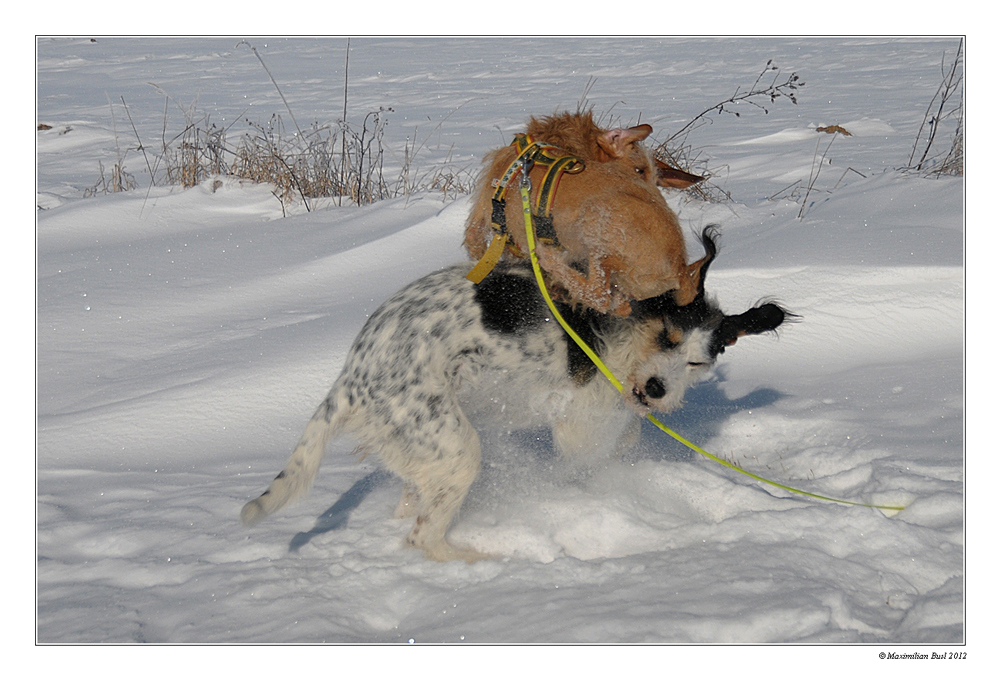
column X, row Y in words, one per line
column 529, row 231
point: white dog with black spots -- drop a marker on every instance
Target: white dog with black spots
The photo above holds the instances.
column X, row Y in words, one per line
column 443, row 345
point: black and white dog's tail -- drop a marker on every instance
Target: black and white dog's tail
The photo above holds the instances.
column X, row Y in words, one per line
column 294, row 481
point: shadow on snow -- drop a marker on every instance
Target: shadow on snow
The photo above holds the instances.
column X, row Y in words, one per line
column 706, row 409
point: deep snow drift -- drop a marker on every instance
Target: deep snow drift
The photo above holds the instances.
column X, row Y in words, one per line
column 185, row 337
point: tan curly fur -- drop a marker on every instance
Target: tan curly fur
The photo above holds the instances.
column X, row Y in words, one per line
column 620, row 241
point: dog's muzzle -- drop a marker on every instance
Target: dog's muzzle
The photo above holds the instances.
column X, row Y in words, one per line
column 653, row 389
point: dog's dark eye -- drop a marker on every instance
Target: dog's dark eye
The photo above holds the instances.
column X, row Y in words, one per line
column 640, row 171
column 696, row 364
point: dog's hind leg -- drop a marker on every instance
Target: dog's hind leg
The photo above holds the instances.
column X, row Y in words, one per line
column 442, row 478
column 297, row 476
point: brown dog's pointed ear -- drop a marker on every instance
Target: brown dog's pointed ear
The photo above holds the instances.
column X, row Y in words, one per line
column 667, row 176
column 615, row 142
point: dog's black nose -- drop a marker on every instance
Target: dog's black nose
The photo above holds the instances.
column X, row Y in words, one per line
column 655, row 388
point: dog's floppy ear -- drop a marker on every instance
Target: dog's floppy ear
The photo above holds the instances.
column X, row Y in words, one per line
column 667, row 176
column 760, row 319
column 615, row 142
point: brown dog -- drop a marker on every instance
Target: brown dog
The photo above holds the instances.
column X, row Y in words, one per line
column 578, row 135
column 618, row 239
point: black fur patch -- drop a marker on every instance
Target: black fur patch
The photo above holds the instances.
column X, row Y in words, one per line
column 663, row 340
column 686, row 318
column 510, row 302
column 583, row 321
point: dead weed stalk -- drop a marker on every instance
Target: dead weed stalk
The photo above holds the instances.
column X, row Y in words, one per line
column 767, row 89
column 946, row 110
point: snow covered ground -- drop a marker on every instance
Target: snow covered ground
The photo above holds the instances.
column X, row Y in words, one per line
column 184, row 338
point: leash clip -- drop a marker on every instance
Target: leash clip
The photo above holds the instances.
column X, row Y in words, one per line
column 527, row 163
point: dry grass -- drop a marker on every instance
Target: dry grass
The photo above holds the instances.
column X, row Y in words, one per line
column 333, row 161
column 340, row 162
column 116, row 180
column 768, row 88
column 345, row 161
column 946, row 111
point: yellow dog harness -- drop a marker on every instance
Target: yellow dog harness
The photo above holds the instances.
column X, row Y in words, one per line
column 529, row 153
